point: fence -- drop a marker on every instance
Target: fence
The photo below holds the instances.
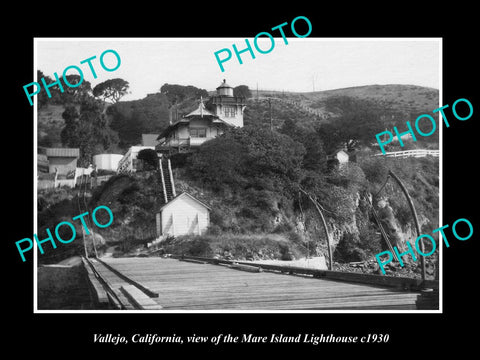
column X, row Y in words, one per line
column 72, row 183
column 52, row 184
column 411, row 153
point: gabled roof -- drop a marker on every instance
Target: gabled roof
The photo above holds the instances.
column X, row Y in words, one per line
column 200, row 111
column 181, row 195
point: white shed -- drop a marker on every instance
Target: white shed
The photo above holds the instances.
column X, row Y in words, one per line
column 107, row 161
column 340, row 155
column 183, row 215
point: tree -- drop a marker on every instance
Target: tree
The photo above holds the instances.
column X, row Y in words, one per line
column 55, row 91
column 178, row 93
column 242, row 91
column 315, row 156
column 112, row 89
column 249, row 157
column 88, row 130
column 78, row 93
column 149, row 158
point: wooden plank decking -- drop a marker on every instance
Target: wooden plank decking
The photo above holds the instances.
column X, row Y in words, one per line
column 193, row 286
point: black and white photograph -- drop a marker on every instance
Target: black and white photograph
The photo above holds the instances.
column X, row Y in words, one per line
column 232, row 180
column 262, row 193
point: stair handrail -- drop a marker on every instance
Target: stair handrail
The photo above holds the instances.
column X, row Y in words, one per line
column 163, row 180
column 171, row 178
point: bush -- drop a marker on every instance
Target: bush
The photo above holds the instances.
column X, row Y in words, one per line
column 149, row 158
column 199, row 246
column 179, row 160
column 375, row 170
column 348, row 249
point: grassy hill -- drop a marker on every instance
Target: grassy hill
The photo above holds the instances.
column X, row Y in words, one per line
column 395, row 96
column 356, row 113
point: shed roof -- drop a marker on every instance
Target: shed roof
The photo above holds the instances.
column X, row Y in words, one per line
column 181, row 195
column 63, row 152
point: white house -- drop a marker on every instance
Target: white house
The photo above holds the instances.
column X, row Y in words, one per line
column 183, row 215
column 221, row 112
column 107, row 161
column 128, row 162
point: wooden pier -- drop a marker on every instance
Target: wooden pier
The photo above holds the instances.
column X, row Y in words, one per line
column 207, row 284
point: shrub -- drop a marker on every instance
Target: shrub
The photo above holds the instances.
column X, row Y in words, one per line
column 149, row 158
column 348, row 249
column 375, row 170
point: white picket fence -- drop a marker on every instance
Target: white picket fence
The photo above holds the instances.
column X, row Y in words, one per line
column 411, row 153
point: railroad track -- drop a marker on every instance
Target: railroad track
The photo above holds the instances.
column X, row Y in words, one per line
column 196, row 284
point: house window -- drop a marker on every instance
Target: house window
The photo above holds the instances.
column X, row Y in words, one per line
column 230, row 111
column 198, row 133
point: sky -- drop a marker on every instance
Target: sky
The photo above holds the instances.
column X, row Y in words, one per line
column 304, row 64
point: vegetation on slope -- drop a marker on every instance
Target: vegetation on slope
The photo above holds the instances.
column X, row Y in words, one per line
column 252, row 178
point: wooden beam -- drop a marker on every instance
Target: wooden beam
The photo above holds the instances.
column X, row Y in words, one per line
column 138, row 299
column 402, row 283
column 97, row 293
column 142, row 287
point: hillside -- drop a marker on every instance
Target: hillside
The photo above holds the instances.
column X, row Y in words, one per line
column 50, row 124
column 409, row 98
column 256, row 215
column 373, row 107
column 341, row 115
column 252, row 178
column 393, row 96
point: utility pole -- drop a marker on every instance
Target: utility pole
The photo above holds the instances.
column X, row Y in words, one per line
column 271, row 119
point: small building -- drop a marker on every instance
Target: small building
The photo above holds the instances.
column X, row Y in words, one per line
column 128, row 163
column 183, row 215
column 62, row 160
column 221, row 111
column 340, row 155
column 107, row 161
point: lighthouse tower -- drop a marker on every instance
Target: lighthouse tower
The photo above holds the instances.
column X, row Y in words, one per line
column 227, row 107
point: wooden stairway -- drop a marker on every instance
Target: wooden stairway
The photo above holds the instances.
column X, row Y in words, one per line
column 168, row 184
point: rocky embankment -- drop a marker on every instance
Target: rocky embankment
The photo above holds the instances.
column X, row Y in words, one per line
column 410, row 269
